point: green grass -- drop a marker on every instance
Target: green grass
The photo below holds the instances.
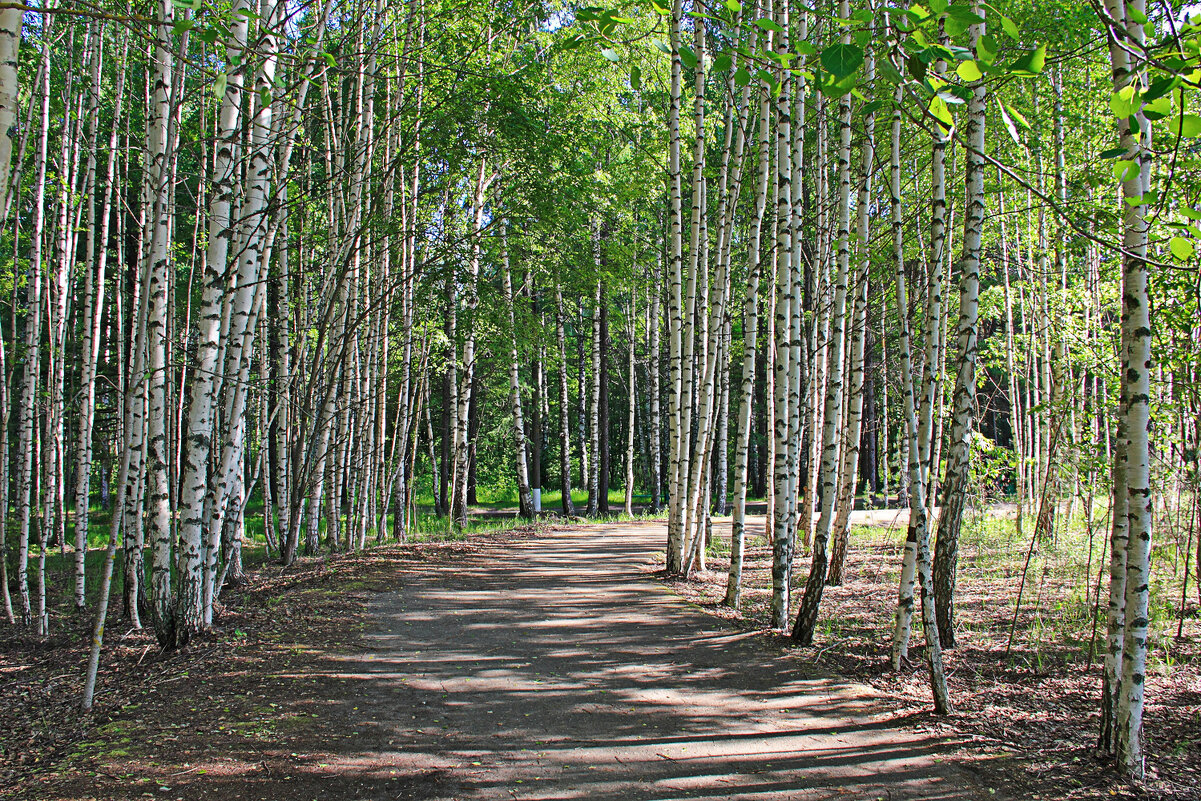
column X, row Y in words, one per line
column 60, row 562
column 1059, row 601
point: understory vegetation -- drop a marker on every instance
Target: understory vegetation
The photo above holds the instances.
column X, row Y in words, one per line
column 287, row 280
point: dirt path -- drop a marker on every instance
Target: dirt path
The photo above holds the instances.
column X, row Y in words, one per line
column 556, row 669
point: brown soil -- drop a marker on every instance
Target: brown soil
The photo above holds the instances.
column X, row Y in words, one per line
column 255, row 711
column 1038, row 704
column 535, row 665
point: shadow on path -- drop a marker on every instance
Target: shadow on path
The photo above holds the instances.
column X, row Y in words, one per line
column 555, row 669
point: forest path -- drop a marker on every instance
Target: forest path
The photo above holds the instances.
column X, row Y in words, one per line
column 556, row 668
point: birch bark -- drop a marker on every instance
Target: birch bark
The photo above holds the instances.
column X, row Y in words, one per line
column 955, row 489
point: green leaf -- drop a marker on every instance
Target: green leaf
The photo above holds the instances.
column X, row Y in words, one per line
column 1009, row 126
column 968, row 71
column 1158, row 108
column 1123, row 169
column 1123, row 102
column 572, row 42
column 1112, row 153
column 330, row 61
column 964, row 14
column 768, row 25
column 661, row 46
column 688, row 57
column 986, row 49
column 806, row 49
column 953, row 28
column 733, row 5
column 1186, row 125
column 938, row 6
column 889, row 72
column 742, row 77
column 722, row 63
column 1032, row 63
column 636, row 78
column 1160, row 87
column 940, row 111
column 769, row 80
column 611, row 55
column 1181, row 248
column 182, row 26
column 661, row 10
column 1010, row 29
column 841, row 60
column 917, row 68
column 1191, row 213
column 219, row 84
column 1018, row 118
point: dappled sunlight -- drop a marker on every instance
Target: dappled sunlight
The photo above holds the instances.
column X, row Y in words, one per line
column 556, row 669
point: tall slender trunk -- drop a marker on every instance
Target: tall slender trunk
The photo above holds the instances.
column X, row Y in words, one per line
column 931, row 370
column 806, row 621
column 94, row 300
column 564, row 405
column 750, row 322
column 628, row 504
column 194, row 482
column 653, row 368
column 785, row 371
column 675, row 311
column 1129, row 583
column 955, row 489
column 840, row 534
column 467, row 384
column 31, row 368
column 525, row 503
column 159, row 275
column 594, row 411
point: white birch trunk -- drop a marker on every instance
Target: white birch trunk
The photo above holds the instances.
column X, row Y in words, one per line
column 525, row 501
column 675, row 311
column 564, row 419
column 750, row 321
column 955, row 489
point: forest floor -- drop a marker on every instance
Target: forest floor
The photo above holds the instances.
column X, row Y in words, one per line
column 1035, row 698
column 539, row 664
